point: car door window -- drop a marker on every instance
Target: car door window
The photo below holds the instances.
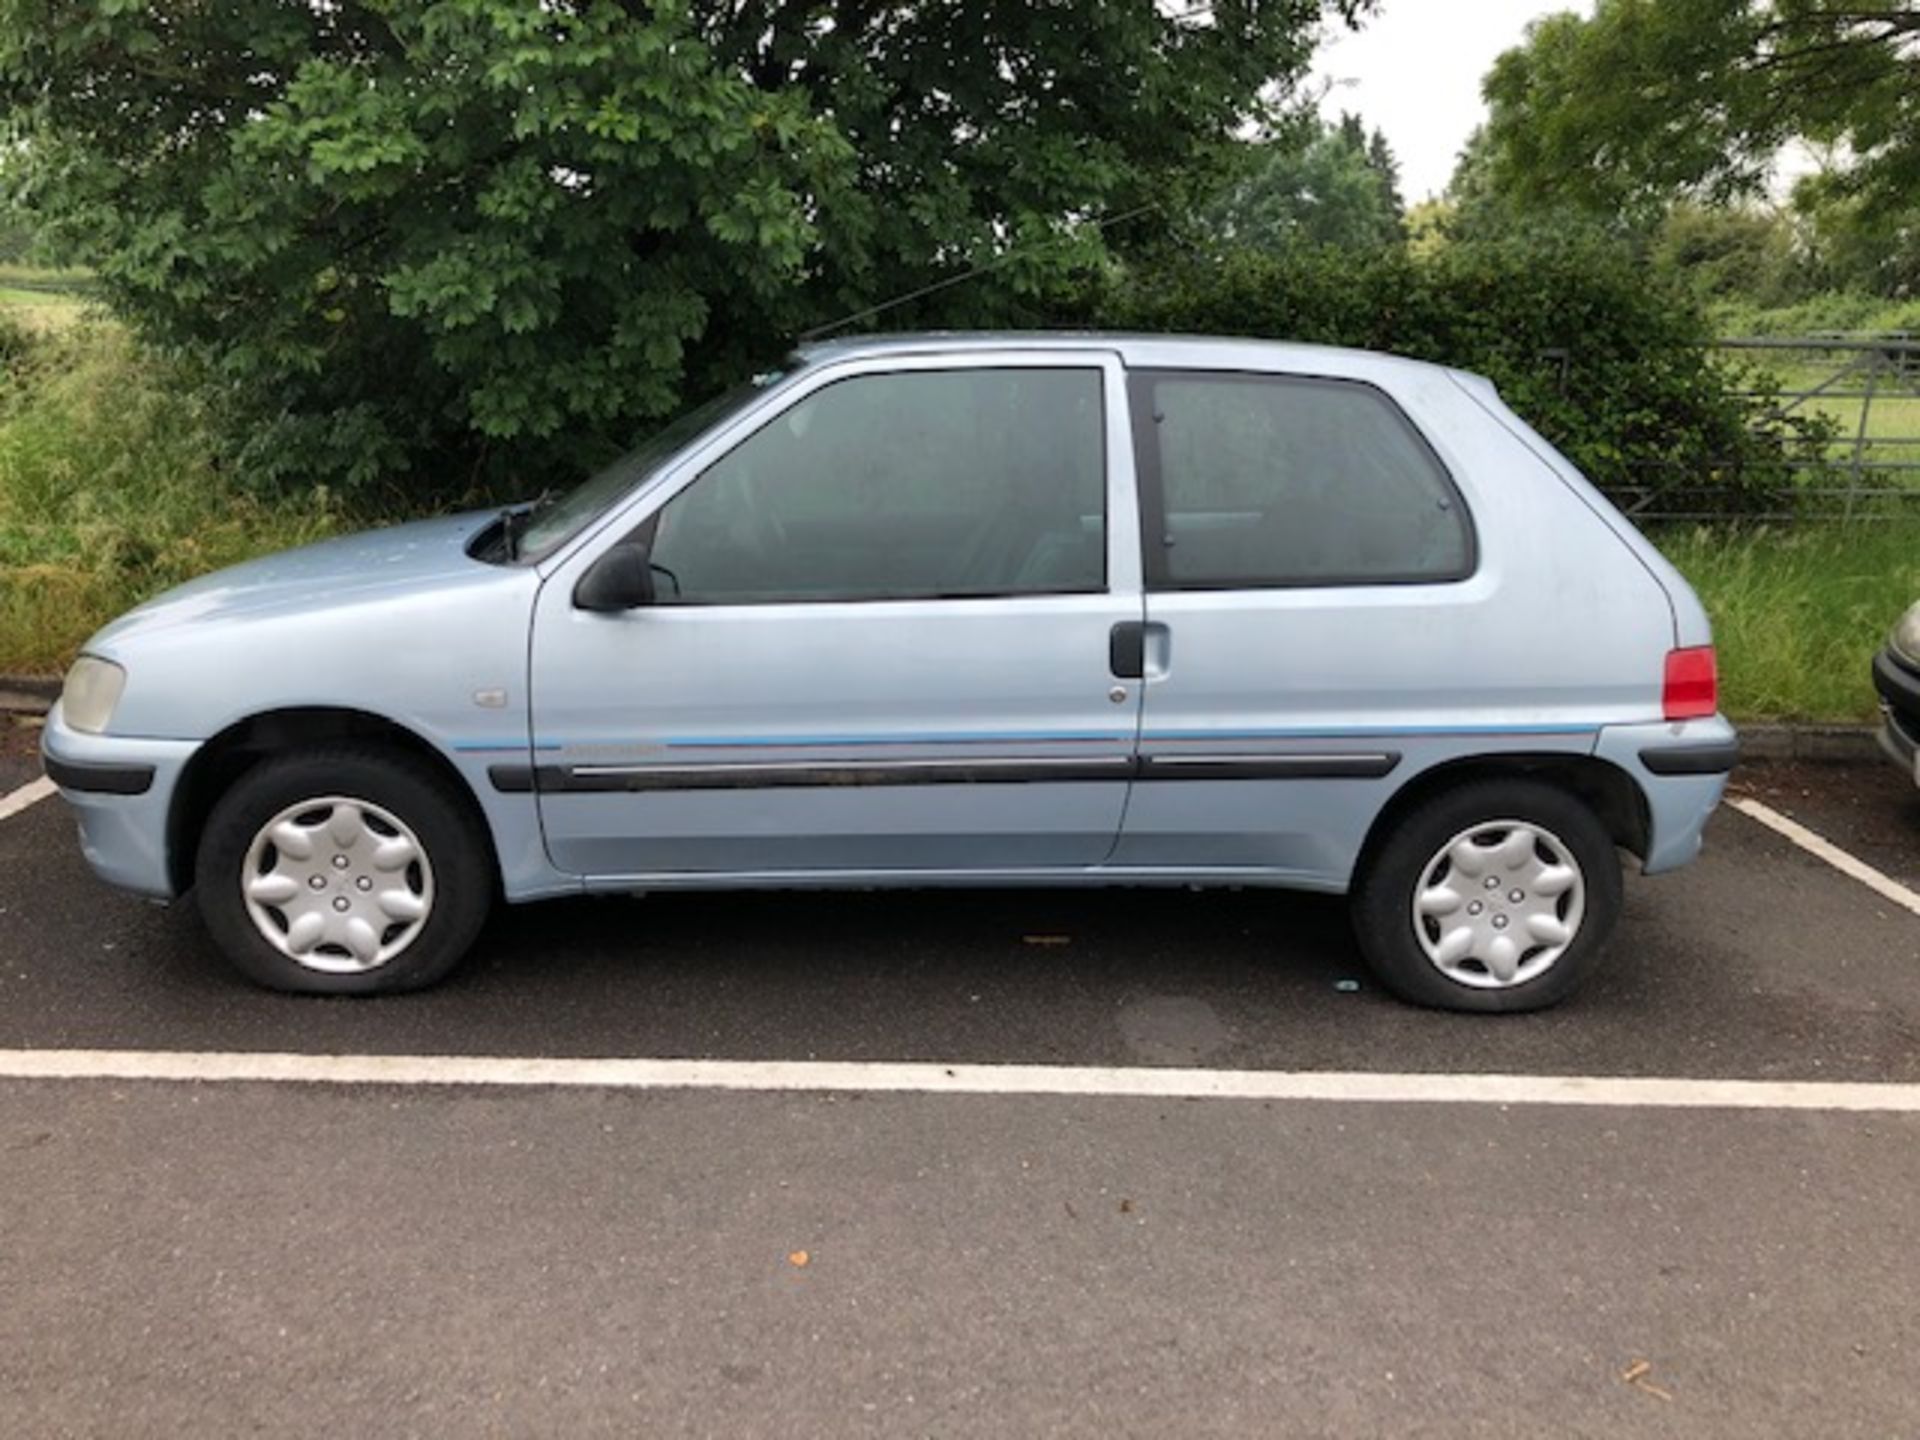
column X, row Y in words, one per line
column 905, row 485
column 1260, row 481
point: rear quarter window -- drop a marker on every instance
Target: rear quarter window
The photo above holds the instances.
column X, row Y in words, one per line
column 1259, row 481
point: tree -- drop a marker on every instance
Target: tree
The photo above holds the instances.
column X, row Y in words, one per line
column 1650, row 99
column 454, row 242
column 1381, row 157
column 1852, row 245
column 1428, row 224
column 1339, row 188
column 1739, row 251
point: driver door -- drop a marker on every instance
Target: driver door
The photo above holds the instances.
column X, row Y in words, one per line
column 879, row 641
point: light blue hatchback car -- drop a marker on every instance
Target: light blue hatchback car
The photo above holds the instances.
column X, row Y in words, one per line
column 943, row 610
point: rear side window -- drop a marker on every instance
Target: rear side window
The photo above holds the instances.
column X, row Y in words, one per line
column 1254, row 481
column 909, row 485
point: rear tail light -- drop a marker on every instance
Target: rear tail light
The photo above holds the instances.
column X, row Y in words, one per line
column 1692, row 687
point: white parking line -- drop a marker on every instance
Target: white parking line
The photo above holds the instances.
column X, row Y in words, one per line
column 31, row 793
column 1882, row 884
column 871, row 1077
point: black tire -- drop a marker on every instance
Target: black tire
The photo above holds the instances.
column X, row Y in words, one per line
column 440, row 817
column 1382, row 901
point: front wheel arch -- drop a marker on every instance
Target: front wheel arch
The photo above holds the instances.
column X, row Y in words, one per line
column 222, row 760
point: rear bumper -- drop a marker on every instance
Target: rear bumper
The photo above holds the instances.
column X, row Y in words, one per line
column 1681, row 767
column 121, row 792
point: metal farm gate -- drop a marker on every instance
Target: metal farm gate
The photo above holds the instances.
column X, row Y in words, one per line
column 1869, row 385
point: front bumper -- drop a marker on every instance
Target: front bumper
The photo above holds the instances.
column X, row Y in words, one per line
column 121, row 791
column 1899, row 690
column 1681, row 767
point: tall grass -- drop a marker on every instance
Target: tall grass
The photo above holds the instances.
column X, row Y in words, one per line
column 43, row 300
column 1797, row 614
column 41, row 310
column 109, row 491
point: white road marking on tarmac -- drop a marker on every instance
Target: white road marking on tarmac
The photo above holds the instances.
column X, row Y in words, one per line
column 1875, row 880
column 871, row 1077
column 31, row 793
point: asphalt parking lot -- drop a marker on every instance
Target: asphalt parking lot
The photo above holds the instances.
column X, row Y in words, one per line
column 301, row 1258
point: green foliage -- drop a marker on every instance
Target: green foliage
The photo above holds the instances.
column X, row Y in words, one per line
column 1569, row 125
column 472, row 243
column 1850, row 245
column 1649, row 102
column 1647, row 99
column 16, row 238
column 17, row 344
column 1818, row 265
column 1797, row 614
column 1609, row 365
column 1339, row 188
column 1721, row 252
column 109, row 490
column 1827, row 310
column 1825, row 241
column 1430, row 224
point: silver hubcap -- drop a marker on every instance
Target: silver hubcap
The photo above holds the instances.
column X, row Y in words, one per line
column 1499, row 903
column 337, row 885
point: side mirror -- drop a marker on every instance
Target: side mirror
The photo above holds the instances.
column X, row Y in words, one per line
column 621, row 579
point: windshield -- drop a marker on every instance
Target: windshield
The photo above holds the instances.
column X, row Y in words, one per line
column 553, row 524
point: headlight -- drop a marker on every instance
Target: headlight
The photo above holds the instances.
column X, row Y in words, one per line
column 92, row 690
column 1906, row 636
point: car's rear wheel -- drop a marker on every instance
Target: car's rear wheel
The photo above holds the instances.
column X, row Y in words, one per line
column 343, row 871
column 1497, row 895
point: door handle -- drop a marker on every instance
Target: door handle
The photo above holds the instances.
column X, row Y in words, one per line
column 1127, row 650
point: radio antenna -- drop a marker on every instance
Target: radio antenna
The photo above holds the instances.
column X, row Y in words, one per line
column 975, row 273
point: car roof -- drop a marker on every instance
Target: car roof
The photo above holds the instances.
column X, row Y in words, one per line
column 1199, row 352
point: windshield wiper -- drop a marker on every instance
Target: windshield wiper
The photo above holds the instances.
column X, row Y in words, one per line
column 514, row 518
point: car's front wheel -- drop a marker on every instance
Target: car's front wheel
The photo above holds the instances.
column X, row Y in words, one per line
column 345, row 870
column 1497, row 895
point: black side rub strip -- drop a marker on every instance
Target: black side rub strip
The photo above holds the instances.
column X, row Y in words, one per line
column 750, row 775
column 1714, row 758
column 1360, row 765
column 100, row 779
column 511, row 779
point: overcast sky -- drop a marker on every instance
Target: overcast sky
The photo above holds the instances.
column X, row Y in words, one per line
column 1415, row 72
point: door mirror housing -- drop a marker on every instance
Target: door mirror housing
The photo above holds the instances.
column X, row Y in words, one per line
column 621, row 579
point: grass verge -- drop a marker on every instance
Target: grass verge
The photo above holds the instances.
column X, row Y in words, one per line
column 109, row 491
column 1798, row 614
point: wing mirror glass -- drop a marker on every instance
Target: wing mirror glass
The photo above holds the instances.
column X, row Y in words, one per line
column 621, row 579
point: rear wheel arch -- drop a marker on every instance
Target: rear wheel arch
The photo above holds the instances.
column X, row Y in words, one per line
column 222, row 760
column 1613, row 795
